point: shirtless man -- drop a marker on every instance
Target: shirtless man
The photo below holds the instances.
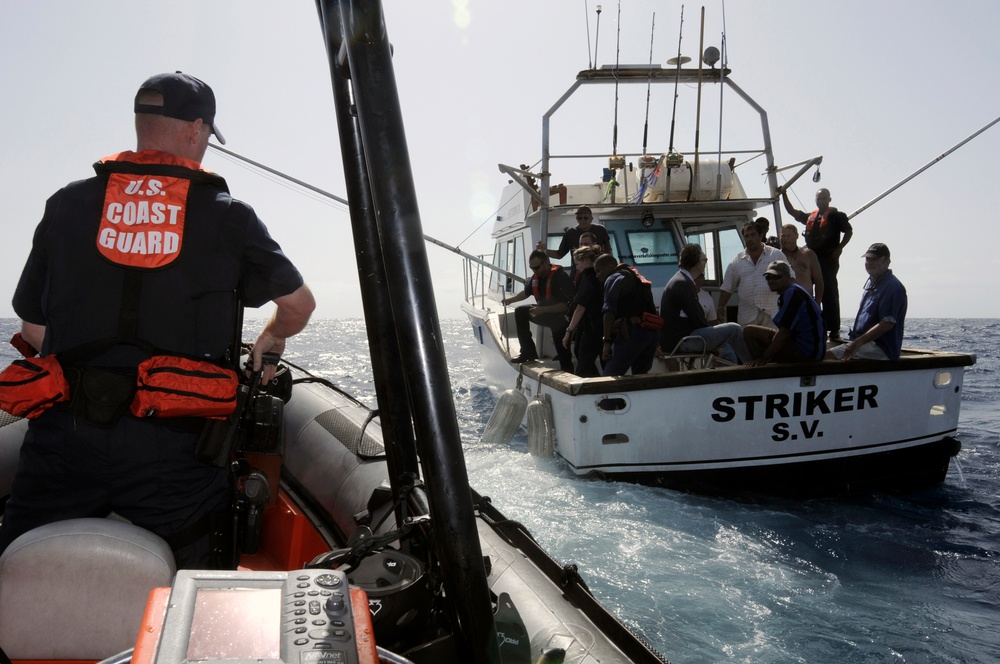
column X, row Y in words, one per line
column 803, row 261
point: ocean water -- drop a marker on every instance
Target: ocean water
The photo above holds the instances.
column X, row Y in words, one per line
column 877, row 578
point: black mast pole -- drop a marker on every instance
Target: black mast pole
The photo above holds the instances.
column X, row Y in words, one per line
column 413, row 311
column 383, row 343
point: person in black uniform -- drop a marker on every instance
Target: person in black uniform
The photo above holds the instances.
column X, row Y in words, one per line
column 586, row 321
column 152, row 256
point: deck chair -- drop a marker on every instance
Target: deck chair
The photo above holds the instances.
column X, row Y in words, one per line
column 77, row 589
column 677, row 360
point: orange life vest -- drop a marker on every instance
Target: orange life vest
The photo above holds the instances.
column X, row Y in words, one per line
column 535, row 290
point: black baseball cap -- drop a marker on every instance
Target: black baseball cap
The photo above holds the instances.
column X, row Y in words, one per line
column 184, row 97
column 877, row 250
column 779, row 269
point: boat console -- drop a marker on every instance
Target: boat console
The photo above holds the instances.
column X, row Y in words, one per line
column 216, row 617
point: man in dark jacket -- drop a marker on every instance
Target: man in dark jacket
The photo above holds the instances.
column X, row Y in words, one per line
column 150, row 257
column 683, row 315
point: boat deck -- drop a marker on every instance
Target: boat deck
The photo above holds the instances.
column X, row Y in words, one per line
column 912, row 359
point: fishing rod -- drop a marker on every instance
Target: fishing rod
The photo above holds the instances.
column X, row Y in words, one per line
column 618, row 52
column 615, row 162
column 919, row 171
column 649, row 84
column 696, row 184
column 724, row 55
column 597, row 34
column 327, row 194
column 677, row 78
column 586, row 16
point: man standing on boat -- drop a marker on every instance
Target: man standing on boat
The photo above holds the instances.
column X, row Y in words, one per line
column 150, row 259
column 745, row 276
column 552, row 289
column 800, row 336
column 827, row 233
column 683, row 315
column 571, row 238
column 586, row 321
column 629, row 340
column 803, row 261
column 878, row 328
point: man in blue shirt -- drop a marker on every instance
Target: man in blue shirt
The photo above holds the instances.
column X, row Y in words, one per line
column 878, row 328
column 801, row 336
column 627, row 345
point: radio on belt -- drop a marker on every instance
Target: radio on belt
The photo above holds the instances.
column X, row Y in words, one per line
column 226, row 617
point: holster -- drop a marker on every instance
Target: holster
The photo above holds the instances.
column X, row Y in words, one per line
column 620, row 329
column 100, row 397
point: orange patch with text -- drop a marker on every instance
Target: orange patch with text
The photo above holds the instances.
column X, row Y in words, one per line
column 143, row 221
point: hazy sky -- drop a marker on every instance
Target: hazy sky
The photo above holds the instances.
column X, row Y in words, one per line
column 879, row 88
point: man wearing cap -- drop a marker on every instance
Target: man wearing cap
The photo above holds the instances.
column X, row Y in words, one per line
column 828, row 231
column 800, row 336
column 878, row 328
column 151, row 257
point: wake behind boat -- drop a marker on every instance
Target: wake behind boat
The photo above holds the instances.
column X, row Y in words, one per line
column 692, row 423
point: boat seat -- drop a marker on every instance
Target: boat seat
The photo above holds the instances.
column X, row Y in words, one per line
column 77, row 589
column 677, row 360
column 12, row 431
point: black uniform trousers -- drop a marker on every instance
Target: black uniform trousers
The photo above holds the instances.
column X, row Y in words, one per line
column 829, row 266
column 142, row 469
column 555, row 322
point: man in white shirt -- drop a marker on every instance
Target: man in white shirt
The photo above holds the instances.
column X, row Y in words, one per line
column 745, row 276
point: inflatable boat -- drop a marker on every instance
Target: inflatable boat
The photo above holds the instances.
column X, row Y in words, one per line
column 78, row 590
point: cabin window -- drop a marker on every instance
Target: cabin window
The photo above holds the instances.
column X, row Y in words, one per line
column 730, row 244
column 509, row 256
column 552, row 243
column 614, row 243
column 518, row 263
column 652, row 247
column 720, row 247
column 707, row 243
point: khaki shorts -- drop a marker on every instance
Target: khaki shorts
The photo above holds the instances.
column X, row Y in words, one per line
column 869, row 351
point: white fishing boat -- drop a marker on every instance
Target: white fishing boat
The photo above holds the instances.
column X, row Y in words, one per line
column 692, row 423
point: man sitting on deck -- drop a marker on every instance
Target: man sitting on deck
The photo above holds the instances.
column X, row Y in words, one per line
column 801, row 336
column 683, row 315
column 553, row 290
column 878, row 328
